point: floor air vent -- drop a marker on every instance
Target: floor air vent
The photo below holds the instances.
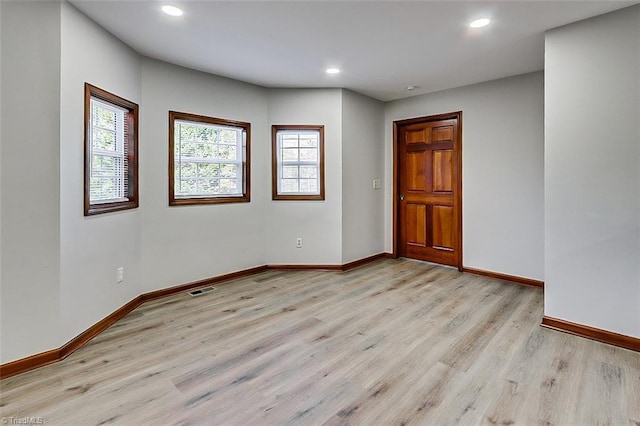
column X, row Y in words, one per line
column 201, row 291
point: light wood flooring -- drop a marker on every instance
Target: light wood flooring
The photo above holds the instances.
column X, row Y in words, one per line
column 394, row 342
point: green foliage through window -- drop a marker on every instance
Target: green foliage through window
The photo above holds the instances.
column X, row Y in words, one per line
column 204, row 155
column 208, row 162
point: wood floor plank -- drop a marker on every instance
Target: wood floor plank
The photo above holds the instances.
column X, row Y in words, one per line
column 394, row 342
column 467, row 404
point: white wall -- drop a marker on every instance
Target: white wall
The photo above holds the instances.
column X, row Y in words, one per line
column 186, row 243
column 59, row 267
column 592, row 175
column 92, row 248
column 1, row 79
column 362, row 161
column 319, row 223
column 30, row 192
column 502, row 170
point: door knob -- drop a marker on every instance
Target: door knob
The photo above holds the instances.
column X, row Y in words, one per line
column 401, row 197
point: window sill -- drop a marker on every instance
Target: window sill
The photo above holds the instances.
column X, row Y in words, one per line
column 199, row 201
column 94, row 209
column 282, row 197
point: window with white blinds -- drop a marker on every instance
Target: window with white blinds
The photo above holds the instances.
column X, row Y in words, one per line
column 110, row 152
column 209, row 159
column 298, row 166
column 108, row 182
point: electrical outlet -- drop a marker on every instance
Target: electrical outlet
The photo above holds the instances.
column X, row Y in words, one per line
column 120, row 275
column 298, row 242
column 377, row 184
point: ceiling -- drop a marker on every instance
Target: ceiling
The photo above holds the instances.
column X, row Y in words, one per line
column 381, row 47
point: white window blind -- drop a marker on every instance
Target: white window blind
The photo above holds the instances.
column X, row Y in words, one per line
column 298, row 162
column 108, row 130
column 208, row 160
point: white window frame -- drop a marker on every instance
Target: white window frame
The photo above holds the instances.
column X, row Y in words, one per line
column 278, row 131
column 118, row 155
column 125, row 154
column 177, row 158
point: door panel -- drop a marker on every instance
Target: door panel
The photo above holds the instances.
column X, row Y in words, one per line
column 415, row 172
column 442, row 228
column 442, row 170
column 417, row 225
column 429, row 221
column 443, row 133
column 417, row 135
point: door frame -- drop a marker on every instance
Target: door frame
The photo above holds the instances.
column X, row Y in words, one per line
column 396, row 181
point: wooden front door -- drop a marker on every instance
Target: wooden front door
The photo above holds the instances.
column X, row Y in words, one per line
column 428, row 189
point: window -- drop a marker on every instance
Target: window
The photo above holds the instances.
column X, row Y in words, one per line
column 208, row 160
column 111, row 152
column 298, row 162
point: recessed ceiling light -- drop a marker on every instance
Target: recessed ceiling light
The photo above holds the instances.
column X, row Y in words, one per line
column 332, row 71
column 172, row 10
column 479, row 23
